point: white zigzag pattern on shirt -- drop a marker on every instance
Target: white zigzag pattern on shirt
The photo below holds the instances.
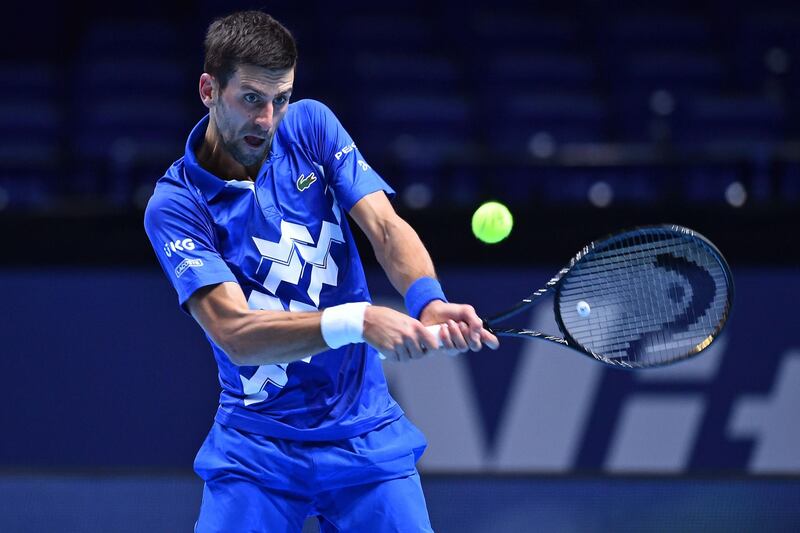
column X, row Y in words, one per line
column 254, row 387
column 286, row 254
column 324, row 268
column 286, row 264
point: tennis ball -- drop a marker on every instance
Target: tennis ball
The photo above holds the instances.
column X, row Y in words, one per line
column 492, row 222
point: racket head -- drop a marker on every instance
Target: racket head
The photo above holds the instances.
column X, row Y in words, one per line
column 645, row 297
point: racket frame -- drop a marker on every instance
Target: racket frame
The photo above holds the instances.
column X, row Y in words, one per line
column 552, row 287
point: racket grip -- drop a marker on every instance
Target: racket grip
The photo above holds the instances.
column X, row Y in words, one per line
column 435, row 328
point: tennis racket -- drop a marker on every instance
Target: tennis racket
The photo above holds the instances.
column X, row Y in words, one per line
column 644, row 297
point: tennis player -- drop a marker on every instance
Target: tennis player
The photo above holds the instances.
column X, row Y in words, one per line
column 250, row 226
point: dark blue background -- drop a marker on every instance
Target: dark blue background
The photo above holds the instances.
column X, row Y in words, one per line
column 103, row 369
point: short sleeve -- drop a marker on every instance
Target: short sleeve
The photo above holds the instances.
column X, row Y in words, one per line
column 346, row 169
column 183, row 240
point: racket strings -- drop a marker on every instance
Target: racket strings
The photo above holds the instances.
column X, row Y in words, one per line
column 631, row 293
column 658, row 338
column 654, row 296
column 605, row 262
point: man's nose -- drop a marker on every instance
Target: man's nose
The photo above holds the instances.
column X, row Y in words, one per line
column 264, row 118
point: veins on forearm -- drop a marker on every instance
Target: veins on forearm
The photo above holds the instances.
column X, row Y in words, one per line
column 403, row 256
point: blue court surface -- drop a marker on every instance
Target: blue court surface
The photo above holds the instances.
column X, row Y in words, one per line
column 155, row 503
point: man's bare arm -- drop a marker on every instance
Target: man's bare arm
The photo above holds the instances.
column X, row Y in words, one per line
column 397, row 246
column 405, row 259
column 255, row 337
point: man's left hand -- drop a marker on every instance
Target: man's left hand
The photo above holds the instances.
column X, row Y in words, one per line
column 461, row 323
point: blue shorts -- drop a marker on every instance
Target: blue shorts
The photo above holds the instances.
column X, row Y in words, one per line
column 255, row 483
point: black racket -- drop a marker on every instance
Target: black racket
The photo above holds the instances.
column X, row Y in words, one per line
column 639, row 298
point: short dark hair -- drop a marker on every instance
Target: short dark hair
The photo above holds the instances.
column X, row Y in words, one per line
column 247, row 38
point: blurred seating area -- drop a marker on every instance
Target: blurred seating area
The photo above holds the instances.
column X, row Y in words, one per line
column 579, row 101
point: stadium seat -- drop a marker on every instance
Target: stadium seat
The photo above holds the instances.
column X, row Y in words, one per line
column 738, row 119
column 31, row 135
column 132, row 100
column 514, row 122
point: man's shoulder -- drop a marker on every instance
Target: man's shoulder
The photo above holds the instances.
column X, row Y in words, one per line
column 307, row 122
column 307, row 111
column 308, row 105
column 172, row 191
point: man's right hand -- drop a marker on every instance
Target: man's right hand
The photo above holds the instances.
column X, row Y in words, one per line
column 402, row 338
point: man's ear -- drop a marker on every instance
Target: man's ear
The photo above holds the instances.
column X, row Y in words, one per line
column 209, row 90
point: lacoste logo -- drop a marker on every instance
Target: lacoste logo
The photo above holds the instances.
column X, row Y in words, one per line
column 186, row 264
column 304, row 182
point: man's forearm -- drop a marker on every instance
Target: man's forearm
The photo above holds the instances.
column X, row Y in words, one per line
column 409, row 268
column 402, row 255
column 254, row 338
column 399, row 250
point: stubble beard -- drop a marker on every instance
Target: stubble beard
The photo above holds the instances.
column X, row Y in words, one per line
column 245, row 155
column 238, row 149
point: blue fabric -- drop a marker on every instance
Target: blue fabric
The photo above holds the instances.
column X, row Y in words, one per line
column 284, row 238
column 421, row 293
column 256, row 483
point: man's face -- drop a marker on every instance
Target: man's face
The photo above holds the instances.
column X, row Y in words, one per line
column 249, row 109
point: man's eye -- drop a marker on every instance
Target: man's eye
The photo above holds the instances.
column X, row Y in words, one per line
column 251, row 98
column 281, row 100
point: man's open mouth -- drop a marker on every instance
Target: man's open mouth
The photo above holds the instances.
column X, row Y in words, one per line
column 255, row 142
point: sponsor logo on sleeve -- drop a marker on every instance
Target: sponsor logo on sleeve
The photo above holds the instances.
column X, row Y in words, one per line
column 178, row 245
column 344, row 151
column 186, row 264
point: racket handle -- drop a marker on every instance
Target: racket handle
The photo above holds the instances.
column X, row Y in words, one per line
column 433, row 329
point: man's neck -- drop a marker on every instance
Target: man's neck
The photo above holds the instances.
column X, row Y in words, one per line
column 212, row 156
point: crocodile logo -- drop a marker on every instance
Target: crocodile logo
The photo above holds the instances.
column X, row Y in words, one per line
column 304, row 182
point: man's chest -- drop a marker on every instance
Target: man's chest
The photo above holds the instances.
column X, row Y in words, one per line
column 283, row 232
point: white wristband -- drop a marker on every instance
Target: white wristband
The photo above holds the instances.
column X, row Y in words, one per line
column 343, row 324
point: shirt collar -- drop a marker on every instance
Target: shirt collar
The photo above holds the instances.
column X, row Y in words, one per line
column 209, row 184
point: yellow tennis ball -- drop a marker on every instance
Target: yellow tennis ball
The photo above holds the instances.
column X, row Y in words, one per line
column 492, row 222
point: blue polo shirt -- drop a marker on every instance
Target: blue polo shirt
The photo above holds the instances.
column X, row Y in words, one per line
column 284, row 238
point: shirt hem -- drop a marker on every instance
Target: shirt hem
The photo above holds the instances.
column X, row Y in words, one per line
column 282, row 431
